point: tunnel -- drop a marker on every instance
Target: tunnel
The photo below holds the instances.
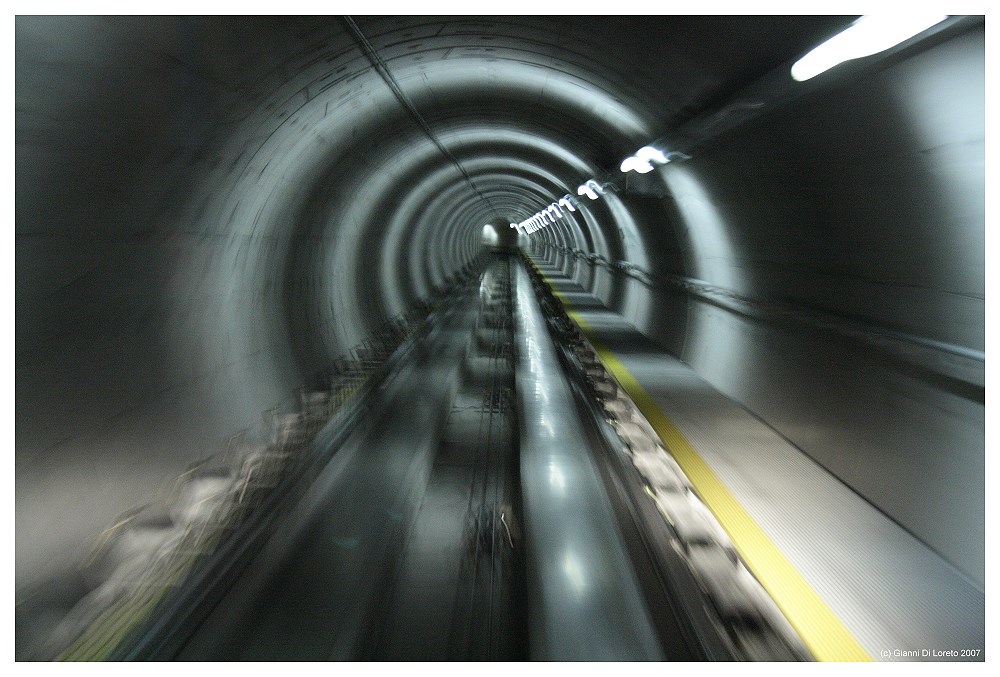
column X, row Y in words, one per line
column 499, row 338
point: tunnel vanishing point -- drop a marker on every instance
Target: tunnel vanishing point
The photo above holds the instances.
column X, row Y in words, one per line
column 500, row 338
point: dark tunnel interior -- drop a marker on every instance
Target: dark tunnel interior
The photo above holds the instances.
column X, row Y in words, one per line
column 217, row 216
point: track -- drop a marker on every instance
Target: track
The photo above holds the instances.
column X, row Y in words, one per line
column 408, row 544
column 480, row 509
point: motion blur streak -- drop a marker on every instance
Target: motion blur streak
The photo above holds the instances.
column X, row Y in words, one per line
column 290, row 386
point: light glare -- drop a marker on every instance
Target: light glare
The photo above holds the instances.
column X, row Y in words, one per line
column 490, row 237
column 591, row 189
column 635, row 164
column 868, row 35
column 650, row 154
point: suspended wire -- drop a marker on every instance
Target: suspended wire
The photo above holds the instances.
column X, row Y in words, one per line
column 383, row 70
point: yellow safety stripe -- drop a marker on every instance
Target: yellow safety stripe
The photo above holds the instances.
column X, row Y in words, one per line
column 823, row 633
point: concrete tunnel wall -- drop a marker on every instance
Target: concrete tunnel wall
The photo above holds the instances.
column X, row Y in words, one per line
column 874, row 218
column 208, row 210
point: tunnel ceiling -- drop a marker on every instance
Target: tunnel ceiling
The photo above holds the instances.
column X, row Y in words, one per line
column 282, row 129
column 595, row 86
column 528, row 108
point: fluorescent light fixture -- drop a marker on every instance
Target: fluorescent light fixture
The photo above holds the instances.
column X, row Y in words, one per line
column 650, row 154
column 548, row 215
column 591, row 189
column 868, row 35
column 635, row 164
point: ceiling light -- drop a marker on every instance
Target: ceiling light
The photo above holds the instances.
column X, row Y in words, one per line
column 633, row 163
column 591, row 189
column 650, row 154
column 868, row 35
